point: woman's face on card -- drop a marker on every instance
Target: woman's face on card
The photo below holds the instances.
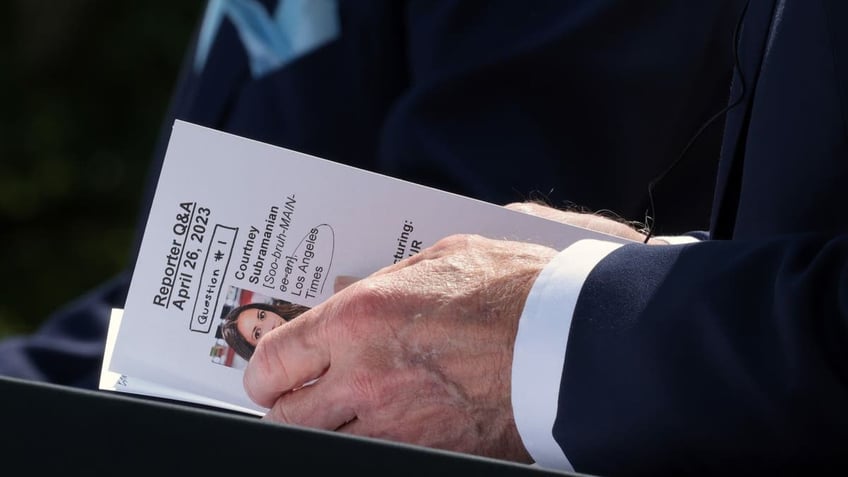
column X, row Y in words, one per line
column 254, row 323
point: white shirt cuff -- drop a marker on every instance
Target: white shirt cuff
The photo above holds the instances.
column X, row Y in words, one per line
column 677, row 239
column 539, row 355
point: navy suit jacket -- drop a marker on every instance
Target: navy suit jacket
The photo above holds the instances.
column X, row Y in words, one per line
column 731, row 355
column 581, row 101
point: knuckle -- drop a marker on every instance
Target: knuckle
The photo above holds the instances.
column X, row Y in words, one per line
column 455, row 242
column 354, row 316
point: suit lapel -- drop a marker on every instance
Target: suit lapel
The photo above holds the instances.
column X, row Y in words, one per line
column 750, row 51
column 836, row 10
column 214, row 89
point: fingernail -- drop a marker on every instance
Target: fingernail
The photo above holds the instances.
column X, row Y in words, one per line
column 342, row 281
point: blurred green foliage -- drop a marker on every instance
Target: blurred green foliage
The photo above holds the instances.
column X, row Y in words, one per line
column 84, row 86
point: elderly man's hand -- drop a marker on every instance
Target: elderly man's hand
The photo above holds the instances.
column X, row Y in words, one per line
column 419, row 352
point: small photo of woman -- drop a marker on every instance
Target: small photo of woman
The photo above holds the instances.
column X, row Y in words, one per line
column 246, row 318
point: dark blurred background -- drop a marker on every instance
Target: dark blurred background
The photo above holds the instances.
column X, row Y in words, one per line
column 84, row 86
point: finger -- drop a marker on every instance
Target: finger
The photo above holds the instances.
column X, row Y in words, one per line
column 288, row 357
column 543, row 211
column 612, row 227
column 526, row 207
column 322, row 405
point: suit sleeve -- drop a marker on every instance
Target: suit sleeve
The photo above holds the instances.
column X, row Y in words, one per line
column 67, row 348
column 703, row 357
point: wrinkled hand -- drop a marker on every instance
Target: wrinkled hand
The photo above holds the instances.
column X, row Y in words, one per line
column 420, row 352
column 589, row 221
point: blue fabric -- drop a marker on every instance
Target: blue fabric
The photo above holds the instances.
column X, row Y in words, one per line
column 730, row 356
column 68, row 348
column 270, row 40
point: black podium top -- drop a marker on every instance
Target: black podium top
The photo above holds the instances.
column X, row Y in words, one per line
column 47, row 427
